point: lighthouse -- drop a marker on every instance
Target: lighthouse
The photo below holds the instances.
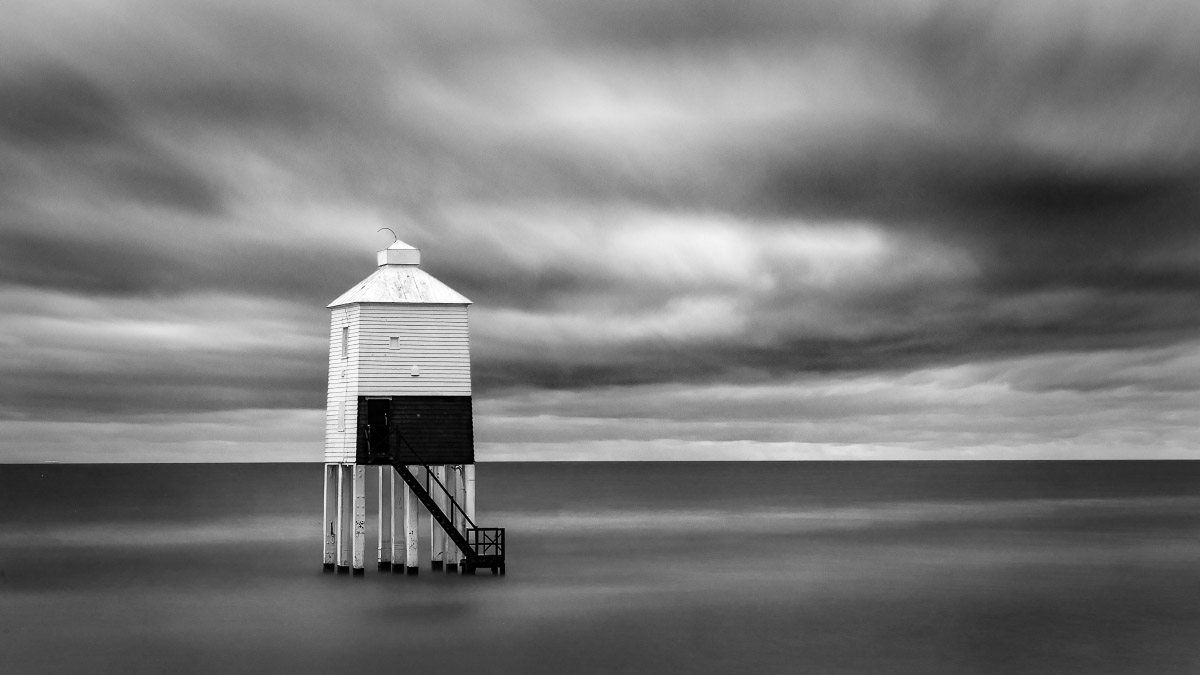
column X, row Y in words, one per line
column 399, row 411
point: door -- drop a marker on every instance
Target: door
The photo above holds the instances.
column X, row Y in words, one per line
column 378, row 412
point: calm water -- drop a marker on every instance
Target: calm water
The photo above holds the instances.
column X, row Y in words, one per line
column 1021, row 567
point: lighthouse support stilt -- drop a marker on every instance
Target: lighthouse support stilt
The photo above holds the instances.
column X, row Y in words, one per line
column 452, row 552
column 469, row 490
column 383, row 548
column 360, row 517
column 329, row 522
column 468, row 498
column 437, row 538
column 396, row 518
column 342, row 527
column 412, row 563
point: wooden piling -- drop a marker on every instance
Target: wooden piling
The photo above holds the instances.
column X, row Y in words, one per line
column 329, row 553
column 396, row 509
column 452, row 551
column 360, row 517
column 437, row 538
column 469, row 490
column 383, row 546
column 412, row 562
column 342, row 530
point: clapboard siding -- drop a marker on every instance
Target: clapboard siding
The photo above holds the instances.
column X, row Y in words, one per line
column 432, row 337
column 343, row 386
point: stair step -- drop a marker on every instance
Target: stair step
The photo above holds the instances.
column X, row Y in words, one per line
column 438, row 515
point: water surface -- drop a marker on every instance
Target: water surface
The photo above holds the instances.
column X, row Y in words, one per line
column 876, row 567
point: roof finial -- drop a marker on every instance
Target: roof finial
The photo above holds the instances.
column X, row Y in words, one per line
column 389, row 230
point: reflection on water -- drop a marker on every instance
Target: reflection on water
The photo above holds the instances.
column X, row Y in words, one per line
column 700, row 568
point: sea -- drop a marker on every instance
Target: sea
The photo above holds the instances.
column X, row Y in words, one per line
column 715, row 567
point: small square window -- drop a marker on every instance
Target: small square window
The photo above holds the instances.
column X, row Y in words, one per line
column 394, row 342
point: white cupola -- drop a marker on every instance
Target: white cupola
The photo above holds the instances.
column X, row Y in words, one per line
column 399, row 253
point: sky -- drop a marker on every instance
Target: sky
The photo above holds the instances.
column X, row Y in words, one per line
column 694, row 230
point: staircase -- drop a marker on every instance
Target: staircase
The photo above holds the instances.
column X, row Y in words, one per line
column 482, row 547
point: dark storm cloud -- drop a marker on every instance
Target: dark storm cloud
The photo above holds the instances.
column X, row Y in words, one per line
column 640, row 198
column 1062, row 153
column 1106, row 207
column 981, row 328
column 94, row 263
column 274, row 383
column 72, row 357
column 999, row 201
column 75, row 128
column 54, row 108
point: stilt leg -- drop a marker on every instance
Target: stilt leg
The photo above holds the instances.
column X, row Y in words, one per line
column 329, row 522
column 469, row 490
column 383, row 549
column 452, row 496
column 360, row 517
column 342, row 531
column 460, row 489
column 412, row 561
column 396, row 490
column 437, row 538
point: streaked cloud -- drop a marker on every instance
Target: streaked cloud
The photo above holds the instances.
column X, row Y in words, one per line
column 691, row 230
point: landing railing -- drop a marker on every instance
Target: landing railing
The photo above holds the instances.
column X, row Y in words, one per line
column 487, row 541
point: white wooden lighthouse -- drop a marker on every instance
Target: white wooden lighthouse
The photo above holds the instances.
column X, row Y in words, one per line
column 400, row 401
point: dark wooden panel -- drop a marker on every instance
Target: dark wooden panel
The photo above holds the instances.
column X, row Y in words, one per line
column 378, row 430
column 438, row 428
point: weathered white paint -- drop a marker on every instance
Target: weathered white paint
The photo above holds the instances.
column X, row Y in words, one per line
column 396, row 509
column 329, row 554
column 469, row 490
column 399, row 279
column 432, row 337
column 451, row 482
column 343, row 516
column 412, row 554
column 460, row 494
column 399, row 253
column 342, row 400
column 437, row 538
column 384, row 522
column 360, row 516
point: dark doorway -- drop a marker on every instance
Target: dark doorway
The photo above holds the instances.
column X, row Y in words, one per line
column 376, row 432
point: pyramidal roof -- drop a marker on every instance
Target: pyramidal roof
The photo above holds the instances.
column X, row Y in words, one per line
column 399, row 279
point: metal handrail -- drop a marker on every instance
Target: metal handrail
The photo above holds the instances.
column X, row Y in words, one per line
column 428, row 475
column 495, row 542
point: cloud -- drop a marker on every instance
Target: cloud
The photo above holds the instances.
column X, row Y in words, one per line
column 814, row 219
column 1079, row 405
column 68, row 357
column 60, row 125
column 244, row 435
